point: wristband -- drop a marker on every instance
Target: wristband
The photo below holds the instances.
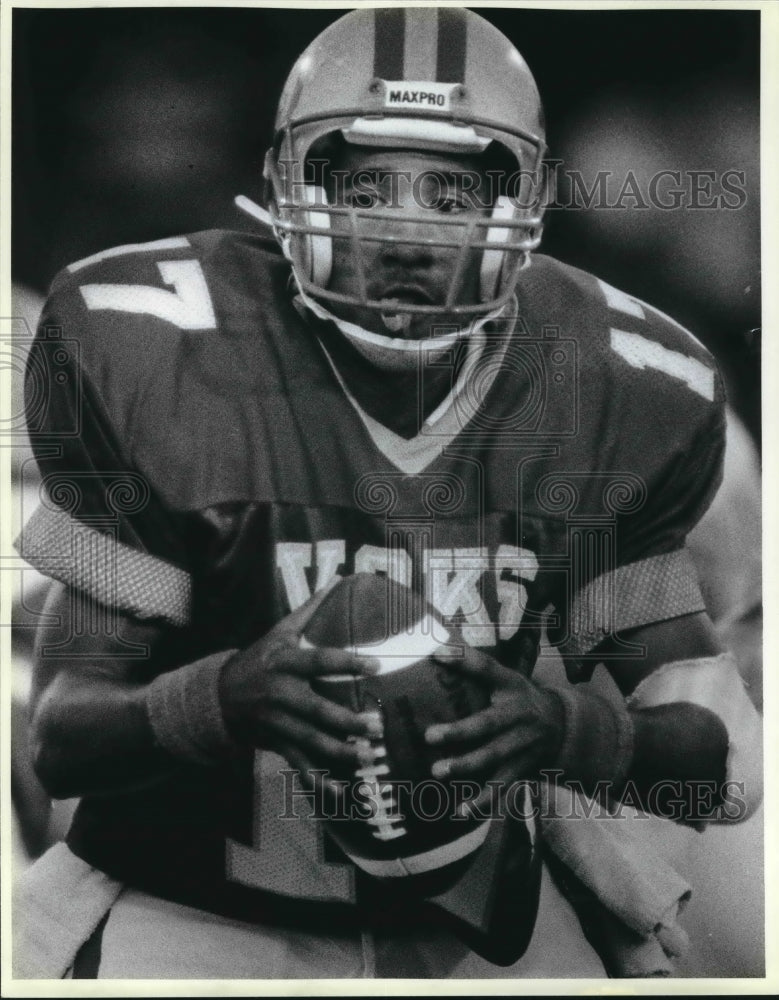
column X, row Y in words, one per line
column 185, row 712
column 597, row 738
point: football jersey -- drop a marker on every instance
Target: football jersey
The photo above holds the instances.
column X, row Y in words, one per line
column 195, row 436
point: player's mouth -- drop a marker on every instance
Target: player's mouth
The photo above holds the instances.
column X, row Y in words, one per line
column 410, row 295
column 402, row 294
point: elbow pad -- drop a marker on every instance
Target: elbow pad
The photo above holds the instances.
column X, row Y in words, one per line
column 714, row 683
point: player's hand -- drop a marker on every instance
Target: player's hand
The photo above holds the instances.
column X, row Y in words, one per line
column 268, row 702
column 520, row 732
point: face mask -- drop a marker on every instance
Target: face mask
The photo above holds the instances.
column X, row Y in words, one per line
column 395, row 354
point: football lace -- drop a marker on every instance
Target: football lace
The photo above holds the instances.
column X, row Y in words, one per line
column 377, row 794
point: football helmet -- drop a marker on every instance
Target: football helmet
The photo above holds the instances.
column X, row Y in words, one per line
column 421, row 78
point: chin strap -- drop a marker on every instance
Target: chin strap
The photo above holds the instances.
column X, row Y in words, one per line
column 388, row 353
column 396, row 353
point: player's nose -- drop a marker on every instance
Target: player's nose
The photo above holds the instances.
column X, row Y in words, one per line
column 408, row 255
column 409, row 239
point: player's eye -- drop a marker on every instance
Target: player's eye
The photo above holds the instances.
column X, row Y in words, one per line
column 363, row 199
column 366, row 190
column 450, row 204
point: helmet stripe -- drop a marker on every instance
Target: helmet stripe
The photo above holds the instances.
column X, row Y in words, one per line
column 388, row 41
column 452, row 44
column 421, row 43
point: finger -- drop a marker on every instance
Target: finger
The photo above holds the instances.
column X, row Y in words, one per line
column 334, row 718
column 337, row 719
column 477, row 664
column 479, row 726
column 326, row 660
column 507, row 710
column 482, row 762
column 326, row 750
column 295, row 697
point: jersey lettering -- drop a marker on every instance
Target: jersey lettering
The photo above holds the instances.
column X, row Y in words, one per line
column 188, row 306
column 511, row 567
column 639, row 352
column 293, row 559
column 454, row 578
column 329, row 556
column 169, row 243
column 287, row 854
column 396, row 562
column 621, row 301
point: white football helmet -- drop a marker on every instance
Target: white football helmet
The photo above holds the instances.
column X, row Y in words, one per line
column 418, row 78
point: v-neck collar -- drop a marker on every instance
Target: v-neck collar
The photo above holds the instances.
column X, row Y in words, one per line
column 441, row 428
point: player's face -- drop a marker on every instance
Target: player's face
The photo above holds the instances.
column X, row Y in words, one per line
column 416, row 191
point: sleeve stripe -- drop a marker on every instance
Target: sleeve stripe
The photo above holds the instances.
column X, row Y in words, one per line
column 113, row 573
column 640, row 593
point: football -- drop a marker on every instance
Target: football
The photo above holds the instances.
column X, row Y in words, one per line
column 401, row 820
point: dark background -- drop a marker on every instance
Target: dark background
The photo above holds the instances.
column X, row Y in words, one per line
column 134, row 124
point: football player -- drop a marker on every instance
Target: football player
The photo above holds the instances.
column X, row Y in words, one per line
column 385, row 378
